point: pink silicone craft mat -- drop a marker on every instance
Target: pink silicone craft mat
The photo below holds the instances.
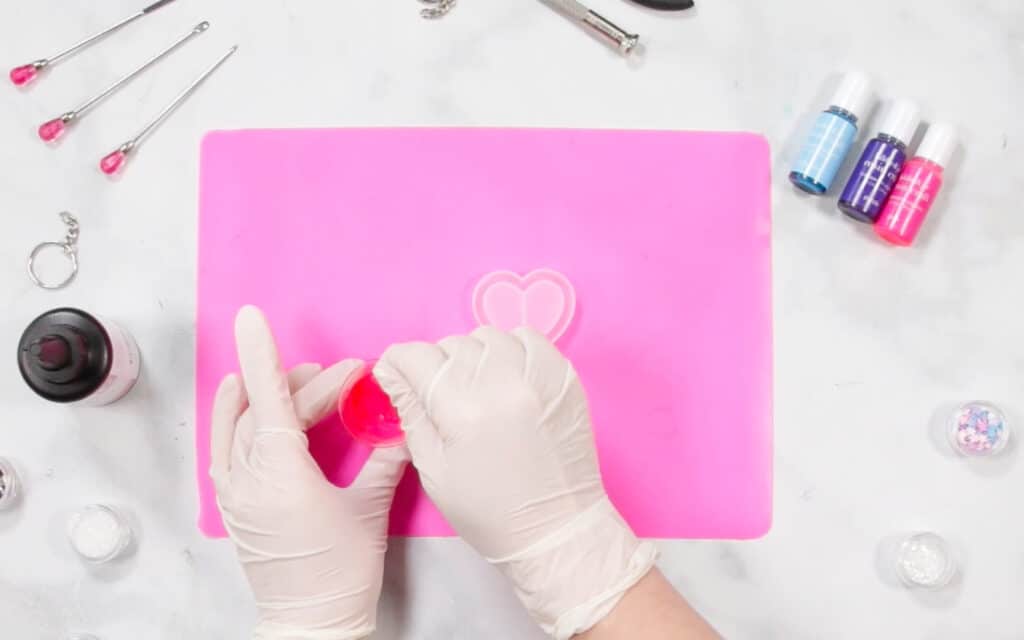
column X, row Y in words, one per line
column 354, row 239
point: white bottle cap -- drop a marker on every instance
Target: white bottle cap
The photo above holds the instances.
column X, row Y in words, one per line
column 939, row 144
column 854, row 93
column 900, row 120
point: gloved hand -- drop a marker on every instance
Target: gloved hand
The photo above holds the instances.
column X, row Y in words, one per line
column 313, row 553
column 499, row 429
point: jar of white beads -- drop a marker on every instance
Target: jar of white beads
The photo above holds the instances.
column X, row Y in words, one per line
column 925, row 561
column 100, row 533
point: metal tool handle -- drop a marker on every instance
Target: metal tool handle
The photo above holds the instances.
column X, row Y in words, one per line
column 603, row 28
column 569, row 8
column 625, row 42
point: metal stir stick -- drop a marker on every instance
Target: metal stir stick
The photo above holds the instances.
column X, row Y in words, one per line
column 27, row 73
column 112, row 162
column 53, row 129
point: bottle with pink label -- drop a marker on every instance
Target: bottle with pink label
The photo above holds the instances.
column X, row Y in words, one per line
column 70, row 356
column 918, row 186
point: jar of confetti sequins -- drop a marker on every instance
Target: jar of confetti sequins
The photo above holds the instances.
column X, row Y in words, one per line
column 978, row 429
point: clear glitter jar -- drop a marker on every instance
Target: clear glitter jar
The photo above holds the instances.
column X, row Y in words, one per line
column 8, row 484
column 978, row 429
column 99, row 533
column 925, row 561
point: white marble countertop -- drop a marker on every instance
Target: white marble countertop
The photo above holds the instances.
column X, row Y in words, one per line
column 871, row 341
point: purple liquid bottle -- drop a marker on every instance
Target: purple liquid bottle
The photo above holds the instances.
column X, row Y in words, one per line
column 879, row 166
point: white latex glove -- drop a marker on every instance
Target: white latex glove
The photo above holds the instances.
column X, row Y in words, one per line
column 499, row 429
column 313, row 553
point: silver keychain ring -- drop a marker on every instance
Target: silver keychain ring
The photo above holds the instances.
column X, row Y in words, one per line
column 71, row 256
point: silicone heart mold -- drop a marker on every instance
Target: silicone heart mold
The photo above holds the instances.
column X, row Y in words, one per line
column 544, row 300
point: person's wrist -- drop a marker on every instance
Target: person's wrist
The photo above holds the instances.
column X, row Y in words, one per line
column 271, row 631
column 573, row 578
column 315, row 618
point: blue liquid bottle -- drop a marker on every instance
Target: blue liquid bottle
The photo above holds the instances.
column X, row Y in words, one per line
column 832, row 137
column 879, row 166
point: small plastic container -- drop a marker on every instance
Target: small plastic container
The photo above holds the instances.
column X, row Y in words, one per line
column 9, row 485
column 100, row 533
column 368, row 415
column 978, row 430
column 925, row 561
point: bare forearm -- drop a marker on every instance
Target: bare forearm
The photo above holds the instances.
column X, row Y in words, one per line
column 652, row 610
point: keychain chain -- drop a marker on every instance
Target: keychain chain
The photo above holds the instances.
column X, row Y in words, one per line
column 69, row 247
column 436, row 9
column 71, row 239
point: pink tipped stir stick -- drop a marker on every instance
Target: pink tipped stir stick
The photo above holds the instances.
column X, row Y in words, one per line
column 113, row 161
column 26, row 73
column 53, row 129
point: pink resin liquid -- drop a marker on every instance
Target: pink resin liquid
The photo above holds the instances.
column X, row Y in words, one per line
column 368, row 415
column 911, row 200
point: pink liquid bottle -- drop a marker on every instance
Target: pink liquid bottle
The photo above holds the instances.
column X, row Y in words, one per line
column 918, row 186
